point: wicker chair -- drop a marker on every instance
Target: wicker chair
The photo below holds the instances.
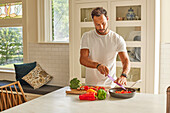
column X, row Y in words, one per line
column 11, row 95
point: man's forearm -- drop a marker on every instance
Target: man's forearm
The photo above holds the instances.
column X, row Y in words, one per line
column 126, row 66
column 88, row 62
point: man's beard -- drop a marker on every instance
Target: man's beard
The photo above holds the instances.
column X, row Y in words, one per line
column 103, row 32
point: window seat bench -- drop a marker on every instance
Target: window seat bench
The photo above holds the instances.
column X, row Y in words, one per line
column 31, row 93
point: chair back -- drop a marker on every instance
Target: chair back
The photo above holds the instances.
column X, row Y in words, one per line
column 168, row 100
column 11, row 95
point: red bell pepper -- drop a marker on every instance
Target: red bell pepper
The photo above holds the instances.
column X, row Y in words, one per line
column 88, row 96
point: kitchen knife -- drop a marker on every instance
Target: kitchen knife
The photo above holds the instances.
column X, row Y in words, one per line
column 116, row 82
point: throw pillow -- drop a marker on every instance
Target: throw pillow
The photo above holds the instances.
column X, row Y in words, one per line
column 23, row 69
column 37, row 77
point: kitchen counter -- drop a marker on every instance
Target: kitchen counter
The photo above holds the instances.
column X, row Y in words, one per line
column 59, row 102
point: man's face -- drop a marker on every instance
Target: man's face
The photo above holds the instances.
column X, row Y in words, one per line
column 101, row 24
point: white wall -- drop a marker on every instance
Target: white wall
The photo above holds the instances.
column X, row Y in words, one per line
column 165, row 21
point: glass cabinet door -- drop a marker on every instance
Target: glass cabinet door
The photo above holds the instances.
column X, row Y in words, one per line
column 130, row 33
column 134, row 54
column 133, row 75
column 83, row 23
column 127, row 13
column 83, row 68
column 86, row 29
column 86, row 14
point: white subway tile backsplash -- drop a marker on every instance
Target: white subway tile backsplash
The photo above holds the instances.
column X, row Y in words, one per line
column 54, row 59
column 164, row 68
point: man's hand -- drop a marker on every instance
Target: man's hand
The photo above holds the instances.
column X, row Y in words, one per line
column 103, row 69
column 121, row 80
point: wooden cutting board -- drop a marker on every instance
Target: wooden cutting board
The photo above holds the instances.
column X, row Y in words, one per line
column 75, row 91
column 79, row 92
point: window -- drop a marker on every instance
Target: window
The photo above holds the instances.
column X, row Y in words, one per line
column 11, row 46
column 53, row 21
column 11, row 10
column 11, row 34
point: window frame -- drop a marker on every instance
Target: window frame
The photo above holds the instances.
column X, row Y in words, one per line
column 44, row 13
column 16, row 22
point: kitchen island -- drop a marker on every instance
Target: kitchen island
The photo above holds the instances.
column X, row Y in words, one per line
column 59, row 102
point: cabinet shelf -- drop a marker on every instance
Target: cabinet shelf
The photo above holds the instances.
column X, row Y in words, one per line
column 132, row 64
column 133, row 43
column 86, row 24
column 129, row 84
column 128, row 23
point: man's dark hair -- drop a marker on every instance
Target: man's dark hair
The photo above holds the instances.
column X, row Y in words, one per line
column 98, row 11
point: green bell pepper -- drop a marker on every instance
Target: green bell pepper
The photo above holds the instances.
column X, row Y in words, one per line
column 101, row 94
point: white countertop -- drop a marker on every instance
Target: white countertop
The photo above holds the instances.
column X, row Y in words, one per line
column 59, row 102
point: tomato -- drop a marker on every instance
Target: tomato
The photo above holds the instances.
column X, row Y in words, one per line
column 86, row 88
column 129, row 92
column 101, row 88
column 123, row 92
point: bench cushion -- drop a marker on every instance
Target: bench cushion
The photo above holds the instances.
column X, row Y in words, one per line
column 43, row 90
column 28, row 89
column 23, row 69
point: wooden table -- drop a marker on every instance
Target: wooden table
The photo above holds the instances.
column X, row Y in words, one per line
column 59, row 102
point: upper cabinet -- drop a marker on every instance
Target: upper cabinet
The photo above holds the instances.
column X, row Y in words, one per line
column 128, row 19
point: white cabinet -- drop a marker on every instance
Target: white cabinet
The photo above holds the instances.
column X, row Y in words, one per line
column 127, row 18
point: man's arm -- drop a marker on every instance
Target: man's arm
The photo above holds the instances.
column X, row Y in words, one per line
column 86, row 61
column 126, row 67
column 125, row 62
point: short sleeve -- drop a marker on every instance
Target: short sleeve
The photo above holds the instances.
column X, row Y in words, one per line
column 84, row 41
column 121, row 45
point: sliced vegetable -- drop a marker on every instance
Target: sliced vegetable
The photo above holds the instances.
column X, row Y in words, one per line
column 123, row 92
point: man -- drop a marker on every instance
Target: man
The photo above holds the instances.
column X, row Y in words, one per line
column 99, row 49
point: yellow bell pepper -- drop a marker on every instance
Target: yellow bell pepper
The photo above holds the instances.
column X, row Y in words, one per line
column 91, row 90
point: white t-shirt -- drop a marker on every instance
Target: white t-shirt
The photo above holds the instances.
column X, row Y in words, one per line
column 102, row 49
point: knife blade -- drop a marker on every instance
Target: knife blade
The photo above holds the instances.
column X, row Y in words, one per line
column 116, row 82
